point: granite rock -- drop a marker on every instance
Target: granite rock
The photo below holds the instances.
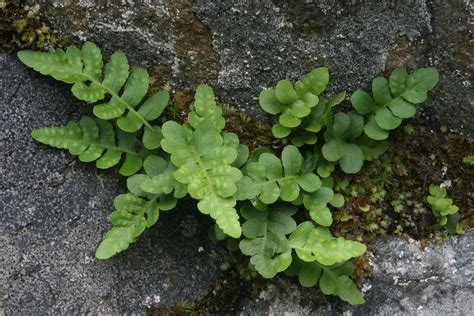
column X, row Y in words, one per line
column 54, row 213
column 241, row 47
column 53, row 209
column 407, row 279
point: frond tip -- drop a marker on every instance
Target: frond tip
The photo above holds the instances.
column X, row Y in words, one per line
column 94, row 140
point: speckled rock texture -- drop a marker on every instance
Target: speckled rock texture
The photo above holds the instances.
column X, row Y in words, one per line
column 53, row 209
column 53, row 214
column 407, row 279
column 241, row 47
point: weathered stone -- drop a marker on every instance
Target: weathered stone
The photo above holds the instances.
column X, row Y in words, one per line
column 241, row 47
column 54, row 209
column 407, row 279
column 54, row 213
column 163, row 36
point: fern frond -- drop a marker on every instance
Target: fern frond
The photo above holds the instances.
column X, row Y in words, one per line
column 204, row 165
column 206, row 108
column 444, row 209
column 281, row 179
column 130, row 219
column 341, row 137
column 333, row 280
column 317, row 244
column 393, row 100
column 94, row 140
column 153, row 191
column 294, row 103
column 84, row 69
column 265, row 237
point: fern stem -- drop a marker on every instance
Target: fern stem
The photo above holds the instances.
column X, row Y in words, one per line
column 113, row 94
column 117, row 148
column 206, row 175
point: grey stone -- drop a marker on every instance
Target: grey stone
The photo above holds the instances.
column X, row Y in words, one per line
column 241, row 47
column 163, row 36
column 53, row 209
column 407, row 279
column 53, row 214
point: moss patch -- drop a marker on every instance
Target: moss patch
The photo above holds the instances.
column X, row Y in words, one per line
column 252, row 133
column 22, row 28
column 389, row 195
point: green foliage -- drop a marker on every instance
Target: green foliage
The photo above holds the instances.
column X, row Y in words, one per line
column 332, row 280
column 342, row 129
column 149, row 192
column 294, row 102
column 284, row 202
column 444, row 209
column 273, row 179
column 393, row 100
column 84, row 69
column 469, row 160
column 317, row 244
column 349, row 138
column 204, row 161
column 94, row 140
column 265, row 237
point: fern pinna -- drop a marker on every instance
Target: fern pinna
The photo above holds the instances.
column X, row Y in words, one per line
column 278, row 206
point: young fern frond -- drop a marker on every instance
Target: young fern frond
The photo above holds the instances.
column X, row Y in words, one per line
column 265, row 237
column 444, row 209
column 393, row 100
column 274, row 179
column 294, row 103
column 84, row 69
column 206, row 108
column 94, row 140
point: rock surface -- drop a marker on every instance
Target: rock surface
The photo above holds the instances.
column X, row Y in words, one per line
column 53, row 210
column 53, row 214
column 406, row 280
column 241, row 47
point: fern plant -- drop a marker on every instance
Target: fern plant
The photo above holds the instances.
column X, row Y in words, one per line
column 276, row 208
column 294, row 103
column 444, row 209
column 119, row 91
column 393, row 100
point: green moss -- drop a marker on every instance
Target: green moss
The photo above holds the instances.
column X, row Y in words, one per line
column 389, row 195
column 21, row 28
column 469, row 160
column 252, row 133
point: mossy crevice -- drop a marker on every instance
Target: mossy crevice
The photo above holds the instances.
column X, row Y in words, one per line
column 23, row 28
column 388, row 197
